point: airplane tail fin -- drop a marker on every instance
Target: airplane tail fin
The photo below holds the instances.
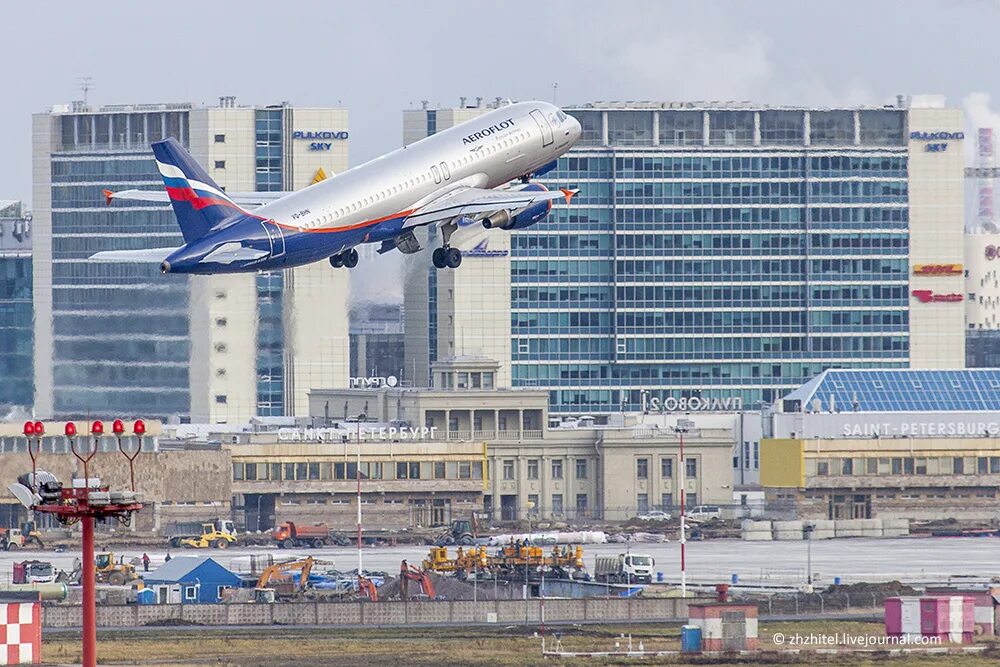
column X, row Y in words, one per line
column 198, row 202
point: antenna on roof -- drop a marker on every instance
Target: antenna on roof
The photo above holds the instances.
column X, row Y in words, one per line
column 86, row 83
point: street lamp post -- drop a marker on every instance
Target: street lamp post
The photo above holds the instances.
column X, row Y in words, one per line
column 527, row 557
column 809, row 555
column 357, row 473
column 683, row 426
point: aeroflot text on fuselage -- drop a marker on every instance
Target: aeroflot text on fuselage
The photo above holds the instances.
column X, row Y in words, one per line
column 482, row 134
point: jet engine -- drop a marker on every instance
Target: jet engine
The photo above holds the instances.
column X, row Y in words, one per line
column 525, row 217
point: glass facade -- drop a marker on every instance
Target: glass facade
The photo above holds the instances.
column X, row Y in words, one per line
column 120, row 331
column 16, row 313
column 716, row 254
column 270, row 284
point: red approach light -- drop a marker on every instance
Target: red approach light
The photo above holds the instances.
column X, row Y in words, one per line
column 70, row 429
column 139, row 427
column 29, row 428
column 97, row 428
column 118, row 427
column 39, row 428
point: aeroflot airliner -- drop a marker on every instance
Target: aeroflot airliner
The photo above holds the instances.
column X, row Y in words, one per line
column 446, row 179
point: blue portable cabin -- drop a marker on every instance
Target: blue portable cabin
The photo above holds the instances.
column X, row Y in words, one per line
column 191, row 580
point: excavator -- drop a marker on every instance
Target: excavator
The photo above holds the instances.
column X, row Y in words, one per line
column 367, row 589
column 408, row 573
column 279, row 577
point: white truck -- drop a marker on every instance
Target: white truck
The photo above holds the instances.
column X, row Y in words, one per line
column 624, row 569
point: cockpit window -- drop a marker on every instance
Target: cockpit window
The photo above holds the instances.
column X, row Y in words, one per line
column 561, row 116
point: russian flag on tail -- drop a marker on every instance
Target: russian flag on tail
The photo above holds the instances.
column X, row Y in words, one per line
column 199, row 204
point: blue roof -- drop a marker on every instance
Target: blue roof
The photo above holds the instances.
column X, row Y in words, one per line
column 179, row 569
column 902, row 390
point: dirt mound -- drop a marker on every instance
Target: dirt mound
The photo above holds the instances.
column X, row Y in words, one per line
column 445, row 587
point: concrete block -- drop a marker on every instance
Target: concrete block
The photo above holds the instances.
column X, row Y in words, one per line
column 758, row 536
column 749, row 525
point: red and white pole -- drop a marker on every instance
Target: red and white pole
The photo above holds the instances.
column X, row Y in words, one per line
column 358, row 475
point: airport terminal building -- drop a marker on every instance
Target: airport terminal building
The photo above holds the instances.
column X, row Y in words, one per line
column 721, row 252
column 121, row 338
column 861, row 444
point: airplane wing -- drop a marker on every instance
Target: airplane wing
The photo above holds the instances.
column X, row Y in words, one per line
column 481, row 202
column 151, row 255
column 250, row 199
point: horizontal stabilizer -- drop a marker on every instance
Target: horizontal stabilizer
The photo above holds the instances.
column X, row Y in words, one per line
column 249, row 199
column 151, row 255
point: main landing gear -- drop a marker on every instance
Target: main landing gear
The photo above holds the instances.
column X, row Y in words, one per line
column 348, row 258
column 447, row 257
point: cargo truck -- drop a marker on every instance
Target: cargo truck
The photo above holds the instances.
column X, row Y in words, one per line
column 291, row 534
column 624, row 569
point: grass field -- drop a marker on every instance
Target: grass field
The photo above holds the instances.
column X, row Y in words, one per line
column 493, row 647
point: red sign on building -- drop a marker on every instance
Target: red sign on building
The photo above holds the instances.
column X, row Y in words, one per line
column 927, row 296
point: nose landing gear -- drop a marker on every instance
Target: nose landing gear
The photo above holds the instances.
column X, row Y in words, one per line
column 348, row 259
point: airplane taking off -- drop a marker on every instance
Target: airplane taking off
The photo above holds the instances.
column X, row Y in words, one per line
column 449, row 178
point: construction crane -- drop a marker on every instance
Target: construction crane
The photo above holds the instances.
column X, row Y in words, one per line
column 281, row 574
column 409, row 573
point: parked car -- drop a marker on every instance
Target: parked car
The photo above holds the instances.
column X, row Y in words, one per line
column 704, row 512
column 654, row 515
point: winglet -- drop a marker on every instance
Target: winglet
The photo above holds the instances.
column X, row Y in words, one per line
column 569, row 193
column 108, row 194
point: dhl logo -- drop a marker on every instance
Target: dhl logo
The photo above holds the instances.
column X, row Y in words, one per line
column 938, row 269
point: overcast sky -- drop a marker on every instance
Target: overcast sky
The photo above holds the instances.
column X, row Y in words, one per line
column 377, row 58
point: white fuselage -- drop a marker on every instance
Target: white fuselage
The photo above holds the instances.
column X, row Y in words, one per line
column 400, row 181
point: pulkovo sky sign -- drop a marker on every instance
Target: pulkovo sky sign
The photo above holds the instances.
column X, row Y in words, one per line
column 937, row 142
column 321, row 140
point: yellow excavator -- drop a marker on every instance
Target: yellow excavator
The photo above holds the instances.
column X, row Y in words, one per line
column 279, row 577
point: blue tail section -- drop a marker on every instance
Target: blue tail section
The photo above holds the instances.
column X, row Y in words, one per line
column 198, row 202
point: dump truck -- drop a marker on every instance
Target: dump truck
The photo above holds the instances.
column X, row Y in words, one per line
column 25, row 537
column 32, row 572
column 624, row 569
column 291, row 534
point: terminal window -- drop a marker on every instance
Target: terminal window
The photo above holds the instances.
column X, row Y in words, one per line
column 220, row 138
column 581, row 468
column 642, row 468
column 557, row 469
column 508, row 469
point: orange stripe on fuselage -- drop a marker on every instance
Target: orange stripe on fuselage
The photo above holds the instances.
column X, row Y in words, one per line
column 358, row 225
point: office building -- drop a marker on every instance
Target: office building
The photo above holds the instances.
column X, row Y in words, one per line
column 724, row 253
column 123, row 339
column 460, row 312
column 982, row 306
column 16, row 334
column 912, row 444
column 376, row 339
